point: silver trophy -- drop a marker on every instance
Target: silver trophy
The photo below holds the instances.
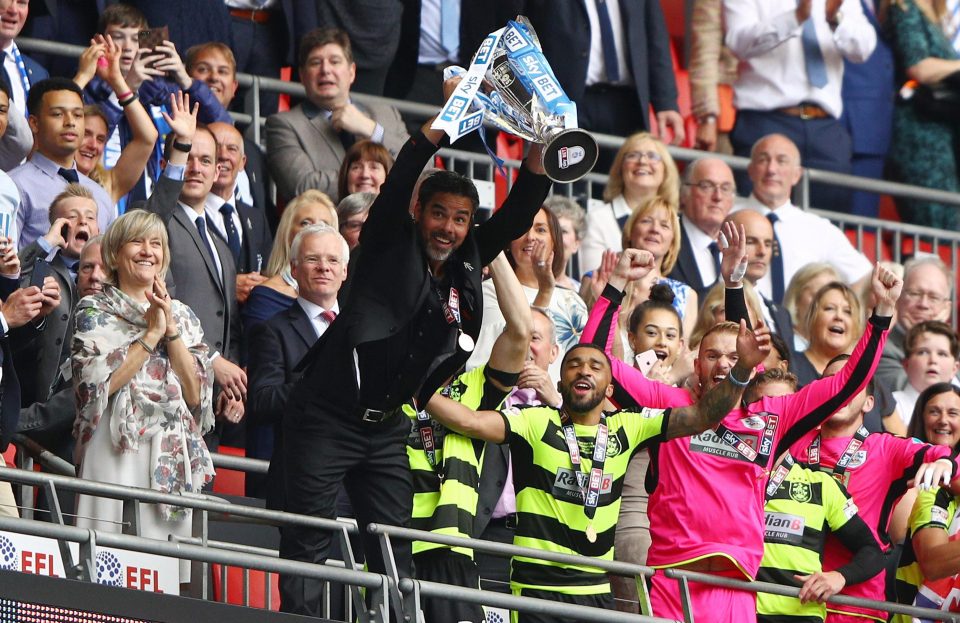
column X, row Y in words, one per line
column 510, row 84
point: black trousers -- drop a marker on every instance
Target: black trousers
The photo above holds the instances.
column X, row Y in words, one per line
column 604, row 601
column 323, row 449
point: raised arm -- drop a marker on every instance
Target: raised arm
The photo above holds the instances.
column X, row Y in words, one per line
column 133, row 159
column 752, row 348
column 485, row 425
column 511, row 348
column 733, row 266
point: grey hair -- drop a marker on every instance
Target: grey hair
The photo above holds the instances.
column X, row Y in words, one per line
column 546, row 314
column 353, row 204
column 565, row 207
column 926, row 259
column 317, row 229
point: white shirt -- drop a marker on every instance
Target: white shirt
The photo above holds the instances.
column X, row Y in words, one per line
column 192, row 215
column 212, row 207
column 313, row 311
column 906, row 400
column 603, row 232
column 431, row 45
column 596, row 68
column 804, row 238
column 13, row 76
column 700, row 245
column 765, row 36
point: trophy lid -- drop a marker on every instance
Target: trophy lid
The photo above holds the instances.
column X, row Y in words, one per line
column 570, row 155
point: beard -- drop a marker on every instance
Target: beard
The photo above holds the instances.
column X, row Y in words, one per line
column 581, row 404
column 438, row 255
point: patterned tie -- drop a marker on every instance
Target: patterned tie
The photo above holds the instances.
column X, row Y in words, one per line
column 608, row 43
column 202, row 228
column 813, row 56
column 329, row 315
column 233, row 237
column 69, row 174
column 776, row 262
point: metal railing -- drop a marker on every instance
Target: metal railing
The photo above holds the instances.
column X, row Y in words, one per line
column 415, row 110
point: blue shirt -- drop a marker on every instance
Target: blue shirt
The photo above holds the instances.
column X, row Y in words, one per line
column 39, row 185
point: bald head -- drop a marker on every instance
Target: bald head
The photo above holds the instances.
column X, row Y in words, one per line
column 774, row 169
column 230, row 158
column 708, row 207
column 759, row 242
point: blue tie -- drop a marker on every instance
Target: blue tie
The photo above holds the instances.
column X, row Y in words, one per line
column 608, row 43
column 776, row 262
column 450, row 27
column 69, row 174
column 715, row 256
column 202, row 228
column 813, row 56
column 233, row 237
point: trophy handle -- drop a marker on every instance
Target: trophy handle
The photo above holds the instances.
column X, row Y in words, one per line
column 569, row 155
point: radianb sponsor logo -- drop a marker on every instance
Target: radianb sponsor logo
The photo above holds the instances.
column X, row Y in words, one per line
column 569, row 485
column 783, row 528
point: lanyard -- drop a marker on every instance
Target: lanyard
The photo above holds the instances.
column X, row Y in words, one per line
column 813, row 453
column 429, row 442
column 451, row 311
column 778, row 476
column 734, row 440
column 595, row 479
column 23, row 74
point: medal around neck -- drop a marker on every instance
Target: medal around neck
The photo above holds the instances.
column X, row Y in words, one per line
column 465, row 342
column 591, row 533
column 511, row 86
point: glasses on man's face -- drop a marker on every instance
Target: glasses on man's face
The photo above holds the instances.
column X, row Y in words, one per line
column 708, row 187
column 652, row 156
column 918, row 295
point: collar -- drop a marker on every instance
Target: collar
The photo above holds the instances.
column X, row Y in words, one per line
column 313, row 310
column 755, row 204
column 620, row 207
column 190, row 212
column 311, row 110
column 214, row 202
column 698, row 238
column 50, row 167
column 8, row 51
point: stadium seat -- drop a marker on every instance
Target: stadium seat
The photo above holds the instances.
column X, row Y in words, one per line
column 256, row 597
column 229, row 481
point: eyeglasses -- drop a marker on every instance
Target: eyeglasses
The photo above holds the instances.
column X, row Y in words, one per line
column 706, row 186
column 917, row 295
column 652, row 156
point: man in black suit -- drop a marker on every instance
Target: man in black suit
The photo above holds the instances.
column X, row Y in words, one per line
column 318, row 261
column 410, row 318
column 706, row 199
column 613, row 84
column 759, row 252
column 243, row 227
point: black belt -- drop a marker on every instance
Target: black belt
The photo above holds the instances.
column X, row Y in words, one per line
column 508, row 521
column 376, row 416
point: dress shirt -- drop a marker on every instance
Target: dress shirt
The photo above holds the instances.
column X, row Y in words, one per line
column 603, row 232
column 212, row 207
column 39, row 185
column 595, row 67
column 314, row 311
column 765, row 36
column 192, row 215
column 13, row 77
column 431, row 47
column 9, row 206
column 906, row 399
column 700, row 243
column 804, row 238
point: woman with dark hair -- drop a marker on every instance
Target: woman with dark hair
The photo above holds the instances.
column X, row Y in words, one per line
column 928, row 518
column 537, row 259
column 364, row 169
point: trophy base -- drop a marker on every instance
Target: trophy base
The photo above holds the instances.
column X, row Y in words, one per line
column 570, row 155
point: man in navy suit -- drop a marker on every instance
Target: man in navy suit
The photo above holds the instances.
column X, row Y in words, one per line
column 254, row 241
column 21, row 70
column 613, row 96
column 868, row 96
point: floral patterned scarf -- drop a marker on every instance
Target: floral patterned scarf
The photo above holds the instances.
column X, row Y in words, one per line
column 151, row 404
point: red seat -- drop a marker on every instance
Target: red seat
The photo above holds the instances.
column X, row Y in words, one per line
column 10, row 456
column 230, row 481
column 256, row 595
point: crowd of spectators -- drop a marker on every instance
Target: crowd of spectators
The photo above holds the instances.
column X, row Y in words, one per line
column 362, row 333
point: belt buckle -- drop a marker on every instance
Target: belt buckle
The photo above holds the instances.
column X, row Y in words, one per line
column 803, row 112
column 374, row 416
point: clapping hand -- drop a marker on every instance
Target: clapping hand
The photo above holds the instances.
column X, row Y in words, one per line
column 733, row 254
column 89, row 62
column 886, row 288
column 51, row 295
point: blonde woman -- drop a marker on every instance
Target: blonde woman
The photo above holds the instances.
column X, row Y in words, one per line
column 801, row 290
column 642, row 169
column 279, row 291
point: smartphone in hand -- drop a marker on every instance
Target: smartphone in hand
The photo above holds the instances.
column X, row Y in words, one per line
column 41, row 270
column 645, row 361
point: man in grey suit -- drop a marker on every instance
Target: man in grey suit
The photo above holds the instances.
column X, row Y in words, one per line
column 306, row 145
column 202, row 268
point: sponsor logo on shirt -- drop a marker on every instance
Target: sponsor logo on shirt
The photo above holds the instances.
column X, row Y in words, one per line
column 571, row 486
column 850, row 509
column 708, row 442
column 783, row 528
column 859, row 458
column 753, row 422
